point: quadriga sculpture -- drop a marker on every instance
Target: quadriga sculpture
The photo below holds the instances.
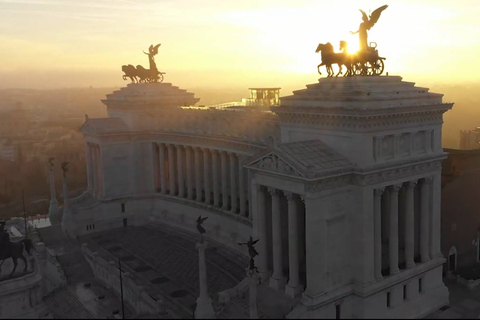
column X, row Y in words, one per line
column 142, row 75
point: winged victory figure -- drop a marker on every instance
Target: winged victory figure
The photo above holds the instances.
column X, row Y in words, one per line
column 201, row 229
column 366, row 25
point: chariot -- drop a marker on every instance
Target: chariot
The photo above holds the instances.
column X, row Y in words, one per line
column 367, row 62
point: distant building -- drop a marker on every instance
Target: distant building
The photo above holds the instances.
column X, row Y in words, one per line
column 470, row 139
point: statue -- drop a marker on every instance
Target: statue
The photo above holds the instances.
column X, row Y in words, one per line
column 366, row 25
column 141, row 75
column 200, row 229
column 64, row 168
column 50, row 162
column 252, row 252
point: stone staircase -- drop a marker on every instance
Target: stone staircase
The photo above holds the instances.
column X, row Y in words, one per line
column 63, row 304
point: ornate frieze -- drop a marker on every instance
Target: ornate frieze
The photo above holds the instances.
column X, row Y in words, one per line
column 274, row 163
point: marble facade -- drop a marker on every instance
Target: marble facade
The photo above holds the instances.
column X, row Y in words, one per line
column 340, row 182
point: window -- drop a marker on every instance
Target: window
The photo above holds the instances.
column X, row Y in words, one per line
column 337, row 311
column 405, row 292
column 420, row 289
column 389, row 302
column 123, row 207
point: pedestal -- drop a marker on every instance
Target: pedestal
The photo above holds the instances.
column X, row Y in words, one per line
column 253, row 296
column 204, row 309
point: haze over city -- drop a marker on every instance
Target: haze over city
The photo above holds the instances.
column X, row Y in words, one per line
column 67, row 43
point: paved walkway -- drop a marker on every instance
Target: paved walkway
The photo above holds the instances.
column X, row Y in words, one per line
column 167, row 258
column 464, row 303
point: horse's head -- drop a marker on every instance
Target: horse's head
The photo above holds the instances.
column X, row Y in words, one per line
column 344, row 45
column 327, row 47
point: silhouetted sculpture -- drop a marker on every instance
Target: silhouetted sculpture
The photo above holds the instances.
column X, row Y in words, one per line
column 252, row 252
column 50, row 162
column 200, row 229
column 65, row 168
column 142, row 75
column 12, row 250
column 366, row 25
column 329, row 57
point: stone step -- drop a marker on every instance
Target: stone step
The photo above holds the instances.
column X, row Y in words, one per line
column 64, row 305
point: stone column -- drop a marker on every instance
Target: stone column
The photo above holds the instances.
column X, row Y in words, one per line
column 233, row 183
column 223, row 158
column 262, row 230
column 424, row 218
column 393, row 242
column 377, row 230
column 198, row 176
column 171, row 168
column 216, row 181
column 204, row 309
column 277, row 280
column 181, row 179
column 94, row 171
column 99, row 168
column 409, row 225
column 293, row 287
column 241, row 188
column 89, row 167
column 190, row 172
column 163, row 176
column 206, row 175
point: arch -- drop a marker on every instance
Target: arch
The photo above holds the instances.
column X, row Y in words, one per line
column 452, row 259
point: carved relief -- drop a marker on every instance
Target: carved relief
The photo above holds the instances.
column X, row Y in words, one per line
column 419, row 142
column 273, row 163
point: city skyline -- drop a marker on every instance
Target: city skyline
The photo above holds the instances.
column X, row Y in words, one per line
column 67, row 44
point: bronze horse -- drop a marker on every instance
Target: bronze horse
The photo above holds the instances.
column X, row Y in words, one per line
column 330, row 57
column 14, row 250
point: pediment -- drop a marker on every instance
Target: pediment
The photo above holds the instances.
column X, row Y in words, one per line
column 274, row 163
column 88, row 128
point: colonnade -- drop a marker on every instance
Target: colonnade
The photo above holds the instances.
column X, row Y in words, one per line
column 95, row 169
column 213, row 177
column 273, row 245
column 402, row 220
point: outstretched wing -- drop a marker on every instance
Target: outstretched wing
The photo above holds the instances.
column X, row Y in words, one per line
column 203, row 219
column 375, row 15
column 364, row 15
column 154, row 50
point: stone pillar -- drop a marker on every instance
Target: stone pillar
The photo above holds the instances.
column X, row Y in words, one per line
column 163, row 176
column 99, row 171
column 393, row 242
column 223, row 158
column 253, row 296
column 216, row 181
column 171, row 169
column 94, row 171
column 293, row 287
column 233, row 183
column 181, row 177
column 190, row 172
column 377, row 230
column 277, row 280
column 424, row 218
column 89, row 167
column 204, row 309
column 241, row 188
column 409, row 225
column 198, row 176
column 262, row 230
column 206, row 175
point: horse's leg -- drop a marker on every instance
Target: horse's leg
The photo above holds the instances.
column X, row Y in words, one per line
column 24, row 261
column 14, row 266
column 318, row 68
column 339, row 69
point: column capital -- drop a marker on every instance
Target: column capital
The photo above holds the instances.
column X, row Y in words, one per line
column 272, row 191
column 411, row 184
column 205, row 149
column 232, row 154
column 428, row 180
column 379, row 191
column 395, row 188
column 289, row 195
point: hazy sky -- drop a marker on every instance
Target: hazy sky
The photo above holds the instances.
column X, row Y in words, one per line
column 52, row 43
